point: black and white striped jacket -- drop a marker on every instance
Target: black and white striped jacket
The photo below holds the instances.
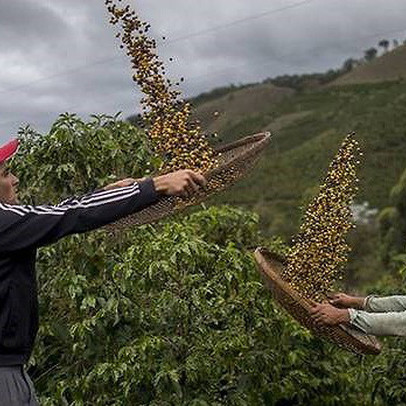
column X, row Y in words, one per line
column 23, row 229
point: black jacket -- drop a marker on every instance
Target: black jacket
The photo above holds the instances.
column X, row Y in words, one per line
column 25, row 228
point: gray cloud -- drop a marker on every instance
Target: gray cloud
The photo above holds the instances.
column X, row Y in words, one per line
column 58, row 56
column 28, row 24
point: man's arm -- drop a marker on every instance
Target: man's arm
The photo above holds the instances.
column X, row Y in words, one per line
column 371, row 303
column 122, row 183
column 23, row 227
column 379, row 324
column 377, row 304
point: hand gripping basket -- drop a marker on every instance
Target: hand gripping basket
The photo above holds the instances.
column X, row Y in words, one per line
column 234, row 161
column 271, row 266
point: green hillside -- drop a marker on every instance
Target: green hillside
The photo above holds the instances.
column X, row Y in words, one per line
column 390, row 66
column 218, row 114
column 308, row 128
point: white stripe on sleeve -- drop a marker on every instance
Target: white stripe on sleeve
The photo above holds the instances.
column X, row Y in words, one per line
column 98, row 199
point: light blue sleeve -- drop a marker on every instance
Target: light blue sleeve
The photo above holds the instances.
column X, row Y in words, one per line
column 375, row 304
column 379, row 324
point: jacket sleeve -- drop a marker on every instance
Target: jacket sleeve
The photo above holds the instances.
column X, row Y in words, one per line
column 379, row 324
column 23, row 226
column 375, row 304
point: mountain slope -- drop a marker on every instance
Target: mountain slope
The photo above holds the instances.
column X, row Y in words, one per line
column 216, row 115
column 388, row 67
column 309, row 128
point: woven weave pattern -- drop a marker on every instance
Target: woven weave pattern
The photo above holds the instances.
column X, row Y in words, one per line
column 234, row 162
column 299, row 307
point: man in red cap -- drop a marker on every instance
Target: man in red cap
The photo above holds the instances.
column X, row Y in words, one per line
column 24, row 228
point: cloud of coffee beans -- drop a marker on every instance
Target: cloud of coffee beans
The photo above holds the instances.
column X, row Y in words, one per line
column 320, row 250
column 166, row 116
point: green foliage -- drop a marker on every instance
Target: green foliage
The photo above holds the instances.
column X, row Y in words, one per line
column 306, row 81
column 77, row 156
column 370, row 54
column 398, row 194
column 393, row 223
column 384, row 43
column 169, row 317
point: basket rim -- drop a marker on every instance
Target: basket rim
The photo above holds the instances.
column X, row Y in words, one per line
column 249, row 139
column 255, row 142
column 275, row 279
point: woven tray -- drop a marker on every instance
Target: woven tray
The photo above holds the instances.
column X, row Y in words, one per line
column 270, row 266
column 234, row 161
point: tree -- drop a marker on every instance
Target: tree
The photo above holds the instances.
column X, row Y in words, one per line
column 348, row 65
column 370, row 54
column 384, row 44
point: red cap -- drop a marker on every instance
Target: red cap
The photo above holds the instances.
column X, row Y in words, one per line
column 8, row 150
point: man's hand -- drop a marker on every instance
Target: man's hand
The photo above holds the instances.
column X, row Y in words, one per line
column 325, row 314
column 183, row 183
column 122, row 183
column 346, row 301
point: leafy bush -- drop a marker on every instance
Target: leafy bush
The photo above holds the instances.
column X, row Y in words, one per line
column 169, row 317
column 77, row 156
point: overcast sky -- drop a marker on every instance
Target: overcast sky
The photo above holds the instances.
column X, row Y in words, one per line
column 61, row 55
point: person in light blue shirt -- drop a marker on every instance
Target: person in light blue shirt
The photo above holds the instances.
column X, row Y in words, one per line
column 380, row 316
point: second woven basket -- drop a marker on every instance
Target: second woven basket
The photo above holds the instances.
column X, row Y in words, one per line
column 271, row 266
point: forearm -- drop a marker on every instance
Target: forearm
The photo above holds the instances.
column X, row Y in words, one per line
column 379, row 324
column 376, row 304
column 33, row 226
column 104, row 207
column 357, row 302
column 123, row 183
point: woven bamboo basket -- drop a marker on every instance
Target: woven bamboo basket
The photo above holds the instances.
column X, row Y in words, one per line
column 235, row 160
column 271, row 266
